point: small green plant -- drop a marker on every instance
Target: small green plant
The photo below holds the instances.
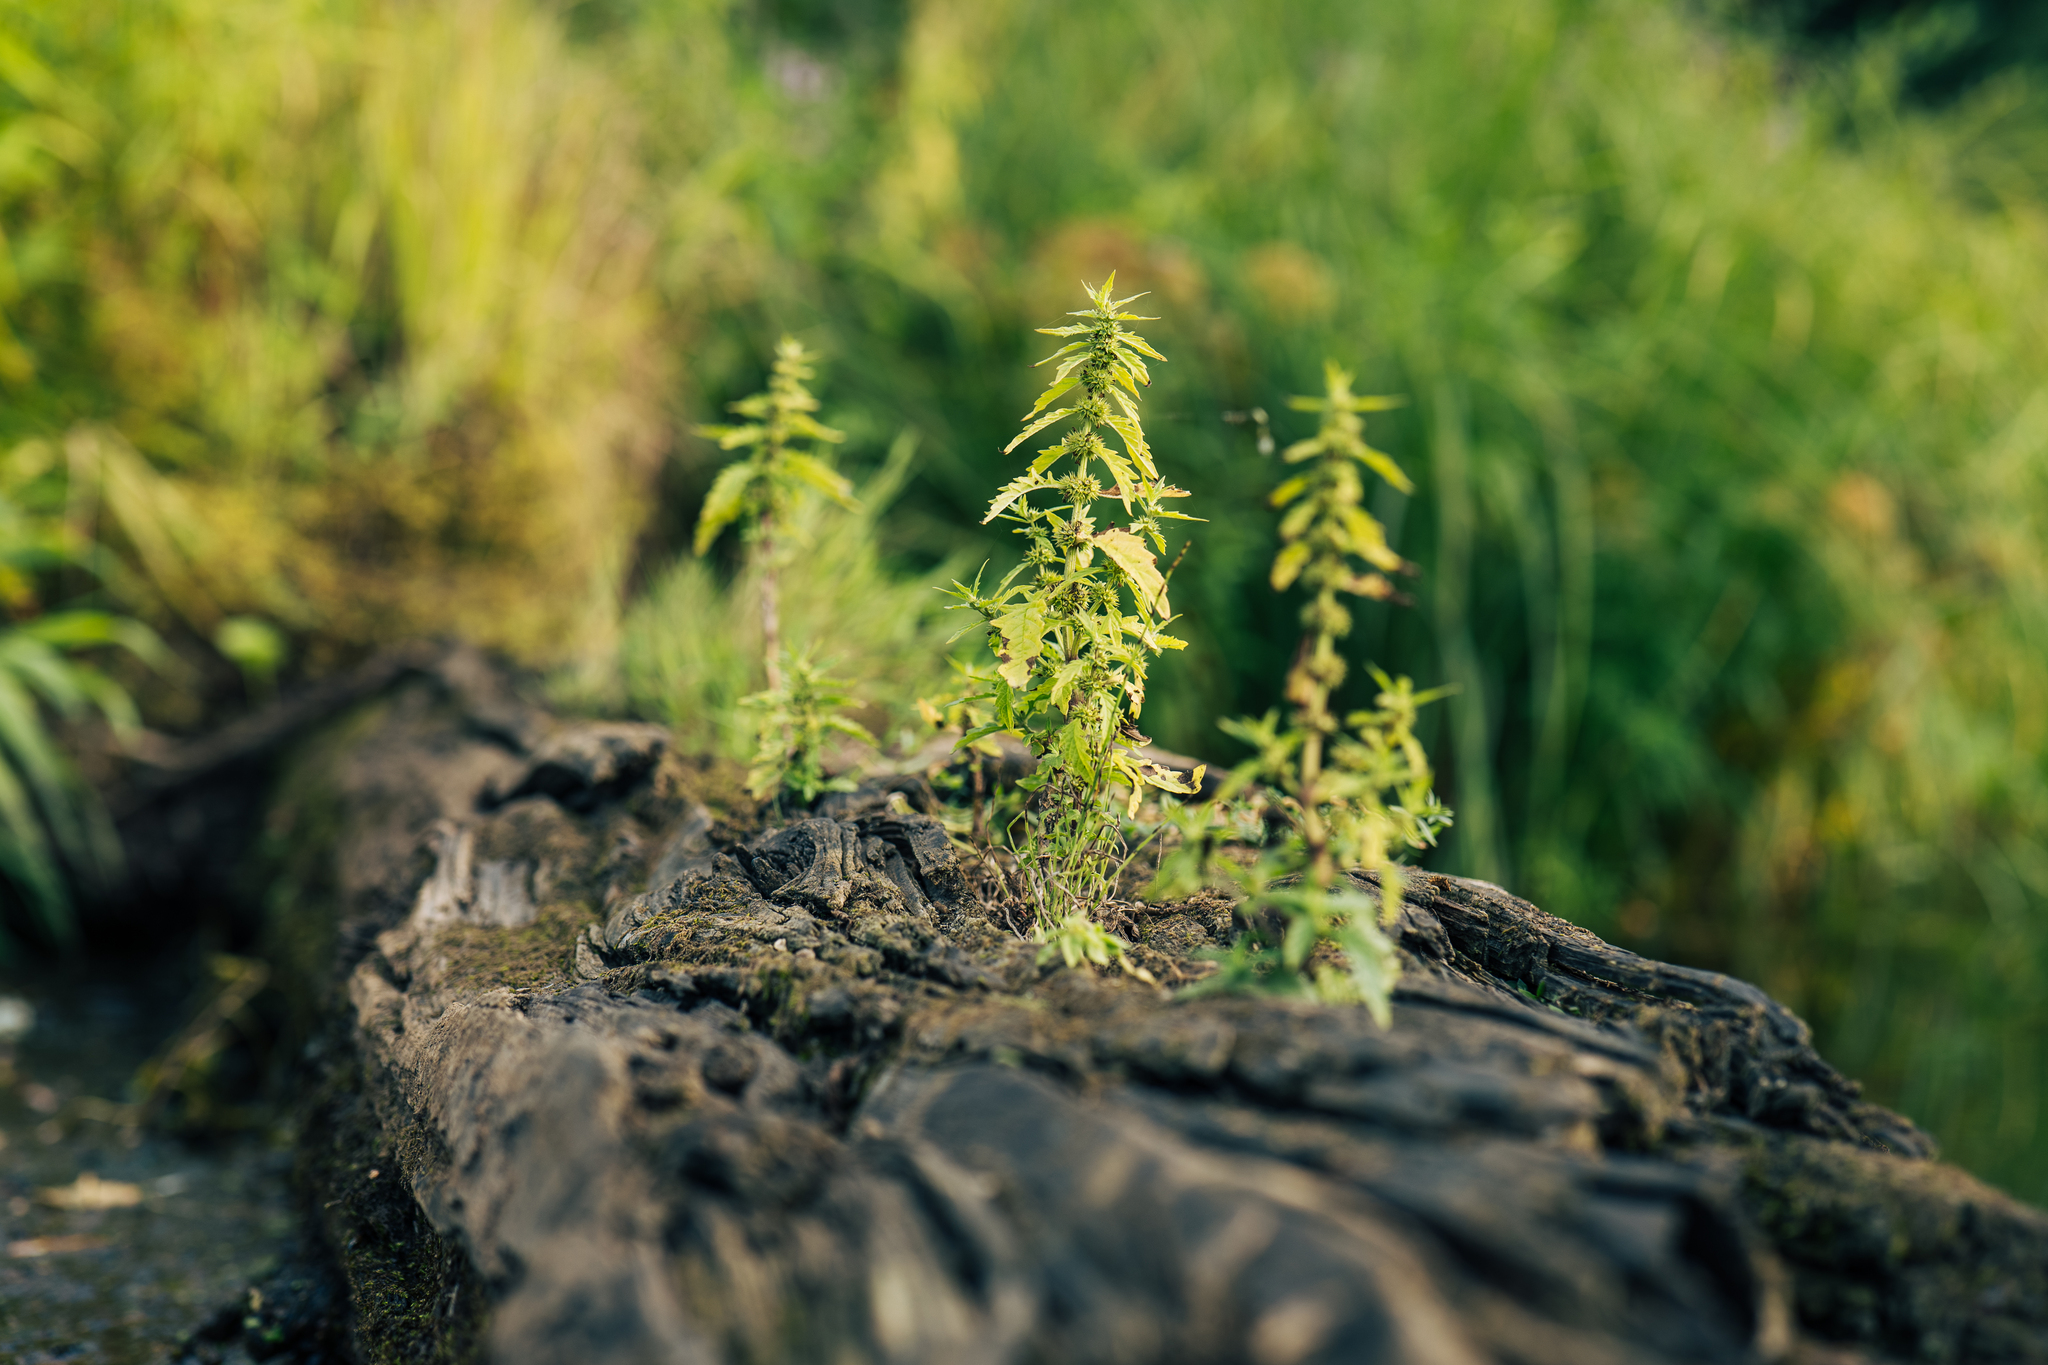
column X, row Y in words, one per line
column 1074, row 625
column 762, row 488
column 688, row 651
column 801, row 708
column 1358, row 793
column 795, row 721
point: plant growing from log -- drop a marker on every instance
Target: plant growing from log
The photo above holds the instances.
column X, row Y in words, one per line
column 1075, row 625
column 762, row 488
column 1358, row 793
column 795, row 722
column 801, row 708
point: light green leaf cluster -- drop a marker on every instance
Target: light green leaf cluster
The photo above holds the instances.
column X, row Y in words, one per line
column 1375, row 786
column 691, row 646
column 1325, row 522
column 1311, row 916
column 796, row 723
column 762, row 487
column 1358, row 793
column 1078, row 940
column 1075, row 625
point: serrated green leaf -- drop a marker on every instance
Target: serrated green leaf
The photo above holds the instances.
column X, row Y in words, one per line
column 1065, row 679
column 724, row 503
column 979, row 732
column 1011, row 491
column 1384, row 466
column 805, row 428
column 1032, row 429
column 1120, row 470
column 1059, row 386
column 1130, row 555
column 811, row 470
column 1023, row 632
column 1133, row 437
column 1073, row 748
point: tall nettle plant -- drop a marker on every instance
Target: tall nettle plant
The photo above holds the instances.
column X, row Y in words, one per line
column 802, row 708
column 1357, row 791
column 1076, row 624
column 784, row 463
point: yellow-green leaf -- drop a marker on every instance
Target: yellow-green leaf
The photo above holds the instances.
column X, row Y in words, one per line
column 1289, row 491
column 1011, row 491
column 821, row 476
column 1035, row 427
column 1288, row 564
column 1369, row 539
column 1065, row 680
column 724, row 503
column 1134, row 441
column 1053, row 390
column 1383, row 465
column 1023, row 632
column 1131, row 556
column 1297, row 519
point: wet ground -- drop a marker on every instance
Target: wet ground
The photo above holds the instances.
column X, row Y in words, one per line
column 116, row 1242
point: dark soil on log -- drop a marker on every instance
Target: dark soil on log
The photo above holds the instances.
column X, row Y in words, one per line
column 607, row 1073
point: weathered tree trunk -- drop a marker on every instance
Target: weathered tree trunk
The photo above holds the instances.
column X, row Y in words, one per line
column 613, row 1080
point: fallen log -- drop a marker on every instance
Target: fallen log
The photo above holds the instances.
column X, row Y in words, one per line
column 612, row 1076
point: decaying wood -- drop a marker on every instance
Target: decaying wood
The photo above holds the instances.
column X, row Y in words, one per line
column 654, row 1086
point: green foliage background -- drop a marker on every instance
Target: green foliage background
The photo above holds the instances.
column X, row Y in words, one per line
column 1727, row 410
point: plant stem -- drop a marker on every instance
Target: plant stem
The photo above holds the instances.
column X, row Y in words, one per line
column 1322, row 870
column 771, row 606
column 1308, row 683
column 980, row 806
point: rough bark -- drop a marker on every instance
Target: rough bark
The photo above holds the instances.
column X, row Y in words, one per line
column 653, row 1086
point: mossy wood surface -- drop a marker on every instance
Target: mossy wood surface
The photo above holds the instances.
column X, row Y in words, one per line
column 643, row 1083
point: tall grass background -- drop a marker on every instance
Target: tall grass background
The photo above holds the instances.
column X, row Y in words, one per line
column 1723, row 360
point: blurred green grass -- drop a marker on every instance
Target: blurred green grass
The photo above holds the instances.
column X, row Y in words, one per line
column 1727, row 408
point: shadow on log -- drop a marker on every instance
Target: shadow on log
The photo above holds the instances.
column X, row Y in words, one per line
column 638, row 1084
